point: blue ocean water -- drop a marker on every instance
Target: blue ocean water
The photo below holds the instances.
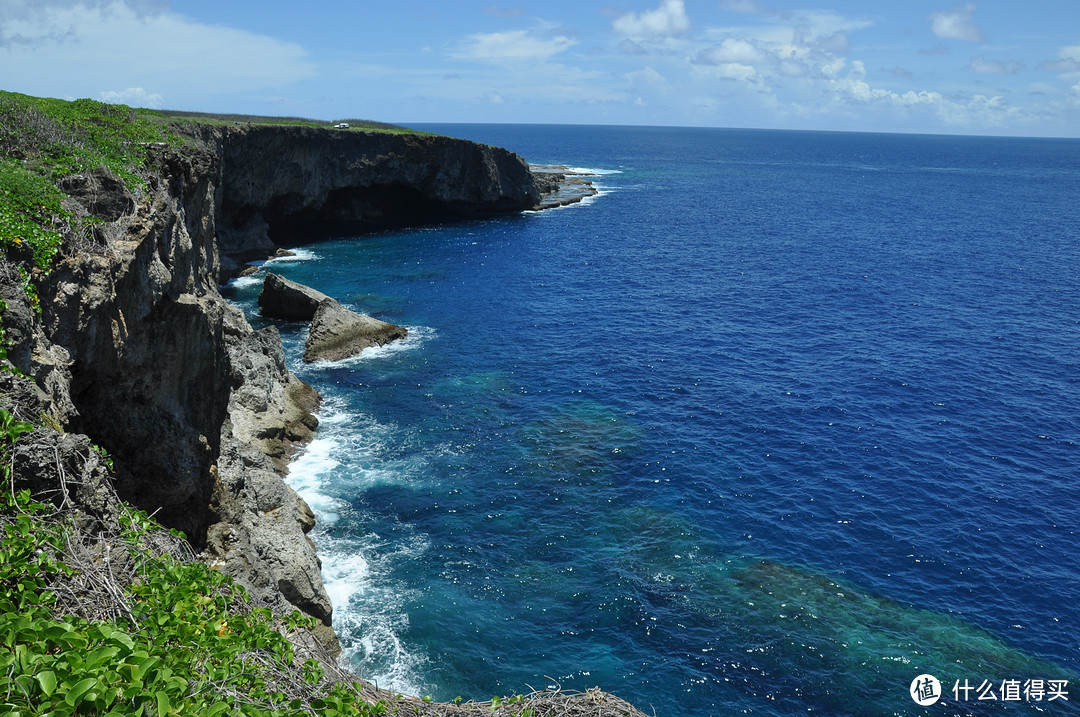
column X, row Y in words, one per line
column 776, row 423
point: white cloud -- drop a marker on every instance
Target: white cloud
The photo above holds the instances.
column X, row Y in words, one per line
column 1064, row 65
column 734, row 50
column 668, row 20
column 993, row 67
column 789, row 45
column 513, row 46
column 975, row 112
column 956, row 24
column 134, row 96
column 731, row 71
column 1068, row 61
column 72, row 49
column 647, row 77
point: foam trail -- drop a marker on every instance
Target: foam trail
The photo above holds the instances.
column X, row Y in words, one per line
column 242, row 282
column 370, row 612
column 588, row 170
column 416, row 337
column 307, row 477
column 297, row 255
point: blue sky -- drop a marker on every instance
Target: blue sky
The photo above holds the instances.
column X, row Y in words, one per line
column 1000, row 67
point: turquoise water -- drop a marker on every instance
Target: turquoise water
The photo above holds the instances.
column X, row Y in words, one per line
column 775, row 424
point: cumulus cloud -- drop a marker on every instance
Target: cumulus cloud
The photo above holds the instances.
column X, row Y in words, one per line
column 513, row 46
column 1068, row 61
column 977, row 111
column 747, row 51
column 666, row 21
column 648, row 78
column 134, row 96
column 805, row 45
column 993, row 67
column 69, row 48
column 956, row 24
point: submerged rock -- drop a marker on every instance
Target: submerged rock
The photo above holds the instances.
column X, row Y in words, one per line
column 288, row 300
column 337, row 333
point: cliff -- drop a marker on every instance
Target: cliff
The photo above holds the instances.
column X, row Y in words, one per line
column 135, row 348
column 285, row 185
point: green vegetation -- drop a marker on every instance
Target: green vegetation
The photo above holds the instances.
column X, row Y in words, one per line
column 56, row 138
column 43, row 141
column 184, row 640
column 229, row 119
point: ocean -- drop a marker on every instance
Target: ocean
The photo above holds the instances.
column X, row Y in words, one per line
column 775, row 424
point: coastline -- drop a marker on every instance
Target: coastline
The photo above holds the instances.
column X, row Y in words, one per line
column 560, row 185
column 567, row 187
column 127, row 342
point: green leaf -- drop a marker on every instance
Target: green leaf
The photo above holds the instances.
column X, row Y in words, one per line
column 47, row 680
column 99, row 655
column 162, row 702
column 76, row 693
column 148, row 665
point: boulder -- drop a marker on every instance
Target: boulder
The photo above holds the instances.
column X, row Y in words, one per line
column 288, row 300
column 337, row 333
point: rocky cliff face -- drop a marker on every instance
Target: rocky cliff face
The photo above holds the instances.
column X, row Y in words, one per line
column 284, row 185
column 135, row 348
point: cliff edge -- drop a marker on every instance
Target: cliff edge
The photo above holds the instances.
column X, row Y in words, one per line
column 131, row 344
column 287, row 185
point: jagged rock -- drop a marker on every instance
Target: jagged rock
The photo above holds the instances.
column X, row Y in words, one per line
column 136, row 350
column 101, row 193
column 270, row 408
column 288, row 300
column 65, row 470
column 337, row 333
column 302, row 181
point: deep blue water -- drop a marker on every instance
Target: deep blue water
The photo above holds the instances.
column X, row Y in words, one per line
column 778, row 422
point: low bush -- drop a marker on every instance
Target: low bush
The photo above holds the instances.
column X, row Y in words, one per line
column 184, row 639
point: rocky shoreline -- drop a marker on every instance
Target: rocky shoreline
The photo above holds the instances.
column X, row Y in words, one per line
column 135, row 348
column 560, row 186
column 132, row 348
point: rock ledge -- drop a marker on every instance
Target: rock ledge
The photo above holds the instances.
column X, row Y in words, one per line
column 337, row 333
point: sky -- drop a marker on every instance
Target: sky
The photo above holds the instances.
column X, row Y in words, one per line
column 986, row 67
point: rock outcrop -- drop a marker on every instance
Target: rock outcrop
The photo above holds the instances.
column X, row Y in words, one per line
column 338, row 333
column 283, row 299
column 136, row 351
column 560, row 185
column 285, row 185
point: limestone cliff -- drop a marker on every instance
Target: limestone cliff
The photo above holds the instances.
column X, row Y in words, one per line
column 286, row 185
column 135, row 348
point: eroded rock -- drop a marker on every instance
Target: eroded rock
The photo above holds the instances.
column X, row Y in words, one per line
column 281, row 298
column 338, row 333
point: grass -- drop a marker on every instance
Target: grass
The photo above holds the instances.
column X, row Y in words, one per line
column 212, row 118
column 44, row 140
column 118, row 620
